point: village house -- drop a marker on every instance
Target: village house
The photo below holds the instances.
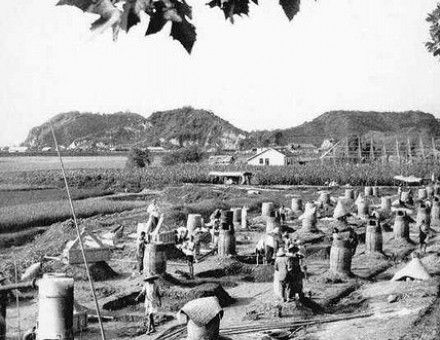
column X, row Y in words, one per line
column 271, row 156
column 18, row 149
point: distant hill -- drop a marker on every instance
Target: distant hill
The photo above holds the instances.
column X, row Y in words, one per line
column 180, row 127
column 78, row 129
column 340, row 124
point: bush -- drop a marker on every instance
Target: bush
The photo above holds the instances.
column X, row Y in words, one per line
column 138, row 158
column 191, row 154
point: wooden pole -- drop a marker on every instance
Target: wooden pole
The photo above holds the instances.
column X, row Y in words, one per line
column 409, row 150
column 397, row 150
column 360, row 148
column 434, row 150
column 347, row 148
column 384, row 153
column 371, row 149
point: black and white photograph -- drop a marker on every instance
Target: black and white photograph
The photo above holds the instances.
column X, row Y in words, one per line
column 220, row 170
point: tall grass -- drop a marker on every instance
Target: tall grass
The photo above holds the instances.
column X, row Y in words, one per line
column 19, row 217
column 315, row 173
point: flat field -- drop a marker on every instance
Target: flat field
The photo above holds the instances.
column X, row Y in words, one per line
column 31, row 163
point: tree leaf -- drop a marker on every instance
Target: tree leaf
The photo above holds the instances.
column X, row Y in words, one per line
column 81, row 4
column 231, row 7
column 157, row 21
column 290, row 7
column 185, row 33
column 131, row 12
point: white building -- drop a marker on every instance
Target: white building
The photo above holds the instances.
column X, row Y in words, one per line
column 271, row 156
column 15, row 149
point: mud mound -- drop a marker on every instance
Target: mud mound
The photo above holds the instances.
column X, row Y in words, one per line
column 173, row 253
column 99, row 271
column 211, row 289
column 177, row 298
column 227, row 267
column 262, row 273
column 122, row 301
column 273, row 310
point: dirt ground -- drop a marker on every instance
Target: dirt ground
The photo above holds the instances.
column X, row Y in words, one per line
column 360, row 304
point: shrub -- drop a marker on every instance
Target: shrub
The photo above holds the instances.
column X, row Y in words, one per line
column 191, row 154
column 138, row 158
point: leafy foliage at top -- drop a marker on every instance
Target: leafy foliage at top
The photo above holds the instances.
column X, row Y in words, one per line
column 433, row 18
column 138, row 158
column 191, row 154
column 124, row 14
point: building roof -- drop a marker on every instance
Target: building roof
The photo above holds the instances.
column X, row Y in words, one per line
column 284, row 152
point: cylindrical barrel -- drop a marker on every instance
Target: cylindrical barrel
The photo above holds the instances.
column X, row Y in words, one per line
column 423, row 213
column 227, row 217
column 401, row 226
column 435, row 212
column 373, row 237
column 271, row 223
column 236, row 215
column 309, row 224
column 209, row 331
column 55, row 307
column 297, row 204
column 267, row 208
column 349, row 194
column 363, row 209
column 375, row 191
column 340, row 257
column 324, row 197
column 226, row 243
column 155, row 259
column 385, row 204
column 194, row 221
column 368, row 191
column 244, row 213
column 422, row 195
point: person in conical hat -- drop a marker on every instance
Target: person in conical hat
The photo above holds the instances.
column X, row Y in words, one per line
column 153, row 300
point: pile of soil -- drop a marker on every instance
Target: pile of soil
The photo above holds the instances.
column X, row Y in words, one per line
column 100, row 271
column 175, row 299
column 272, row 310
column 262, row 273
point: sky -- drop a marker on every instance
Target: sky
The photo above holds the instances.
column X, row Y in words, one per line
column 263, row 72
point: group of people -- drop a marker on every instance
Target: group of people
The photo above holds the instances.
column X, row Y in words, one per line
column 288, row 275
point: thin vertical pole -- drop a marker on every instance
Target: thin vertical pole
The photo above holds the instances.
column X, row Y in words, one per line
column 384, row 152
column 360, row 149
column 371, row 149
column 422, row 147
column 17, row 299
column 434, row 150
column 80, row 241
column 409, row 150
column 398, row 150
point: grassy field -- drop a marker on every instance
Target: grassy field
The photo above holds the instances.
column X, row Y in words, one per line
column 15, row 218
column 30, row 196
column 158, row 177
column 30, row 163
